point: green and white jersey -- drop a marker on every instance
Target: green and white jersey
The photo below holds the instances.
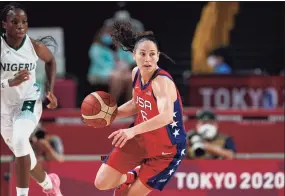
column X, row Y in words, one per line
column 13, row 61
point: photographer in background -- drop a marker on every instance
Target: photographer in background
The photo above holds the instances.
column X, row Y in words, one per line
column 206, row 142
column 47, row 147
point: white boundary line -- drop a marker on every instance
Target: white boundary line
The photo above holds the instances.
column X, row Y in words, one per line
column 9, row 158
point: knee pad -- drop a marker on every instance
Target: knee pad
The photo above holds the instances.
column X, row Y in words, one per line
column 22, row 129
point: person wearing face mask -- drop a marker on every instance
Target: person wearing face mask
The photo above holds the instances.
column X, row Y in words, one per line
column 217, row 59
column 123, row 15
column 206, row 142
column 110, row 66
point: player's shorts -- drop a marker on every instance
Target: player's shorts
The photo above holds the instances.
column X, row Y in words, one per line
column 155, row 171
column 29, row 109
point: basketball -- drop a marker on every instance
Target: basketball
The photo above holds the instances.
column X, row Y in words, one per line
column 99, row 109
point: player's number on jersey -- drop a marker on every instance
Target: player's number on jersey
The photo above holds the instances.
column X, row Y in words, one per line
column 144, row 115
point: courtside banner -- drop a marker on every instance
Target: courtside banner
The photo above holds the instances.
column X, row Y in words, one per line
column 234, row 91
column 197, row 178
column 249, row 128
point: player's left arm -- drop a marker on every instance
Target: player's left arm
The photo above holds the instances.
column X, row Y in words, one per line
column 165, row 92
column 50, row 66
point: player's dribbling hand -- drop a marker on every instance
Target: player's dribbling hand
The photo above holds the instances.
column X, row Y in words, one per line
column 122, row 136
column 52, row 99
column 19, row 77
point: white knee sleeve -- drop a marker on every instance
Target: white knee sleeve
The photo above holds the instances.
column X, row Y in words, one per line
column 33, row 158
column 22, row 129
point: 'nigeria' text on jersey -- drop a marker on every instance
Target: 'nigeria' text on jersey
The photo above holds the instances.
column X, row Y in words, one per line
column 13, row 61
column 146, row 105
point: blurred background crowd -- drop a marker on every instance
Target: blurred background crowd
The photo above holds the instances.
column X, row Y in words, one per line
column 202, row 37
column 229, row 69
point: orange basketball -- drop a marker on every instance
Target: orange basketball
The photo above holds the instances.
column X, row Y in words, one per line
column 99, row 109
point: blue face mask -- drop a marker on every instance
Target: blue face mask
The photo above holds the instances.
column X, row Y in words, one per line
column 107, row 39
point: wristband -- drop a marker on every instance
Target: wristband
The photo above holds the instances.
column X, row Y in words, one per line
column 4, row 83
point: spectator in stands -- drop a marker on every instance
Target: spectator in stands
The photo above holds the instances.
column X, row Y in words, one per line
column 218, row 60
column 47, row 147
column 124, row 16
column 206, row 142
column 110, row 66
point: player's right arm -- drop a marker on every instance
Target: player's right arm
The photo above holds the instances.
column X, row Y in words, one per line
column 19, row 77
column 129, row 108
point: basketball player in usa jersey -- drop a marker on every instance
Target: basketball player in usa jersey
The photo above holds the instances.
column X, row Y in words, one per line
column 156, row 142
column 21, row 105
